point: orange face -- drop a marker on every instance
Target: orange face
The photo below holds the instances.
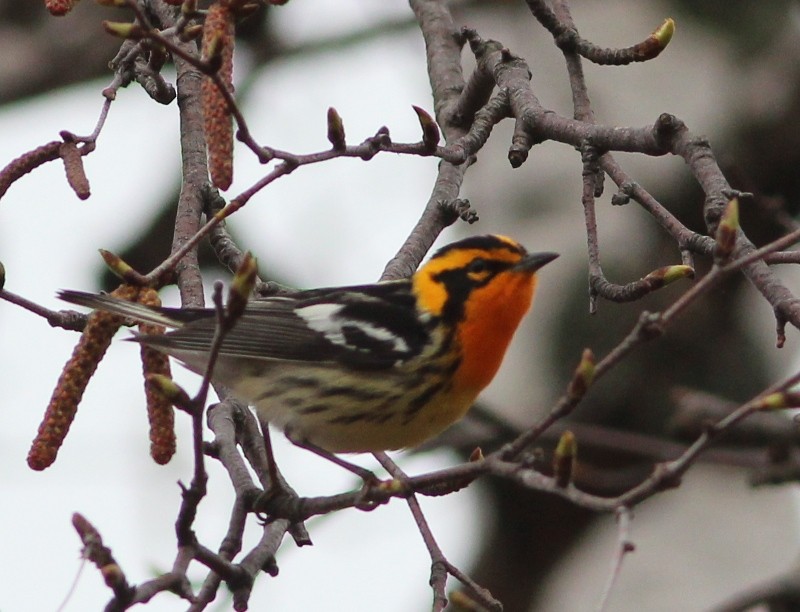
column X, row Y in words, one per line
column 484, row 290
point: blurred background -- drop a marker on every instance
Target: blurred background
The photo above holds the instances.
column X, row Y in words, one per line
column 731, row 73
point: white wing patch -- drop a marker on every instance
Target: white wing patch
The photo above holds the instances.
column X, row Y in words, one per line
column 322, row 318
column 325, row 319
column 381, row 334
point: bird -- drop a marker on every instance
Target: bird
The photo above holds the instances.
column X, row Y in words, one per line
column 363, row 368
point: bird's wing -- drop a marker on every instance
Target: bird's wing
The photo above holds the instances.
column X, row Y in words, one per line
column 169, row 317
column 367, row 327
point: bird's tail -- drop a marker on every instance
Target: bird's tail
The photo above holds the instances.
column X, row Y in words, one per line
column 169, row 317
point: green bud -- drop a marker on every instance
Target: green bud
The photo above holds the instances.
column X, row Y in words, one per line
column 167, row 387
column 242, row 286
column 191, row 32
column 673, row 273
column 116, row 264
column 669, row 274
column 663, row 33
column 564, row 459
column 583, row 376
column 336, row 129
column 727, row 231
column 123, row 30
column 213, row 51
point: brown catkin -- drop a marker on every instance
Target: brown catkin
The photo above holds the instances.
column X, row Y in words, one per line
column 26, row 162
column 219, row 30
column 59, row 7
column 94, row 341
column 159, row 410
column 73, row 166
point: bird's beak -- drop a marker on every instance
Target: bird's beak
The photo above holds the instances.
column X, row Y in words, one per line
column 533, row 261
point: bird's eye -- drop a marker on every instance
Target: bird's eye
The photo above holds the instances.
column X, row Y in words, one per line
column 477, row 266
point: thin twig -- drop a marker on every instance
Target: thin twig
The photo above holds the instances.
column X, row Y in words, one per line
column 624, row 547
column 440, row 565
column 443, row 53
column 438, row 580
column 65, row 319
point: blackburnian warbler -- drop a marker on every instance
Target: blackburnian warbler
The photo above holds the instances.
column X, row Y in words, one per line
column 364, row 368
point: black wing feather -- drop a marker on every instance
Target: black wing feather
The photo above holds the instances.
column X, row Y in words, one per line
column 377, row 328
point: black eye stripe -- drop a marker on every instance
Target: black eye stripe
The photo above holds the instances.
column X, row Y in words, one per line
column 477, row 266
column 492, row 266
column 486, row 267
column 461, row 281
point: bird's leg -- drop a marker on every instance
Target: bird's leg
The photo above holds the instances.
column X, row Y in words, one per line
column 275, row 477
column 364, row 474
column 279, row 500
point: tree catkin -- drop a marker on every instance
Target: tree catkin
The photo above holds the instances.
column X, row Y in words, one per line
column 218, row 40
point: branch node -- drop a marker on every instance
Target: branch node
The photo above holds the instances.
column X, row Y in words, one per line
column 521, row 143
column 650, row 325
column 471, row 36
column 567, row 40
column 665, row 128
column 458, row 209
column 780, row 326
column 626, row 191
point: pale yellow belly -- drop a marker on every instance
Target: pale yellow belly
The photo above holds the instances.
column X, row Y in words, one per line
column 355, row 412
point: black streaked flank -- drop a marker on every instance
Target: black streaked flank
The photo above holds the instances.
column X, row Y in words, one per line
column 315, row 408
column 307, row 382
column 416, row 404
column 444, row 348
column 286, row 384
column 440, row 369
column 349, row 419
column 349, row 392
column 381, row 417
column 451, row 369
column 388, row 403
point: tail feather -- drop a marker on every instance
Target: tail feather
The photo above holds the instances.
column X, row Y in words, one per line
column 169, row 317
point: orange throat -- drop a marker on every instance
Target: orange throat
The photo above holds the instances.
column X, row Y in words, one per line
column 492, row 315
